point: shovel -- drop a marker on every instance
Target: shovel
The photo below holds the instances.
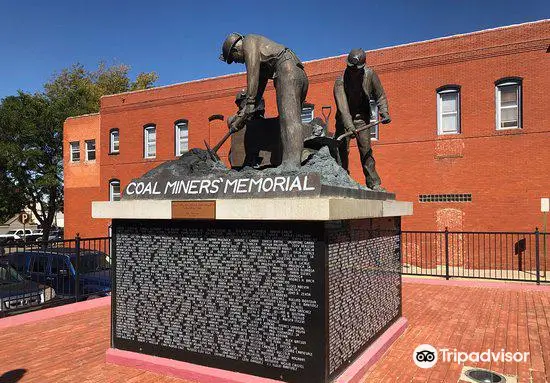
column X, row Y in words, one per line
column 334, row 144
column 213, row 152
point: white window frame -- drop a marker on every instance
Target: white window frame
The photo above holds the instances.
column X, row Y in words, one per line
column 146, row 141
column 373, row 117
column 88, row 150
column 112, row 193
column 498, row 107
column 307, row 108
column 74, row 148
column 440, row 93
column 177, row 137
column 112, row 134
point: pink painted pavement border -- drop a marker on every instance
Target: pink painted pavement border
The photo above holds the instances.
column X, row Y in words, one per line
column 357, row 370
column 482, row 283
column 202, row 374
column 182, row 370
column 53, row 312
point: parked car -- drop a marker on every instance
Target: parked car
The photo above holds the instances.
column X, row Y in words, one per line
column 15, row 236
column 18, row 294
column 55, row 235
column 57, row 267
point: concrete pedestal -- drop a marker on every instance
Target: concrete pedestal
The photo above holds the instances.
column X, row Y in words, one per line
column 288, row 289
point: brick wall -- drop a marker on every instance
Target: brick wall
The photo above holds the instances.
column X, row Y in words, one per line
column 505, row 171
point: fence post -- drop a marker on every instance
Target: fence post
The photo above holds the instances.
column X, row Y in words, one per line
column 77, row 268
column 446, row 253
column 537, row 253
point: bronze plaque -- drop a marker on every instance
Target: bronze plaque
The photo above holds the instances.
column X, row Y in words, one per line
column 194, row 209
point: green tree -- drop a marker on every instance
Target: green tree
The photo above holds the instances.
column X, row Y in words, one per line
column 31, row 135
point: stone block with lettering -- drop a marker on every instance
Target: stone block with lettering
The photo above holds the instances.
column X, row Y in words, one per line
column 196, row 176
column 295, row 301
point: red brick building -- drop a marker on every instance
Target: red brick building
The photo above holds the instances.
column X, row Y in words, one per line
column 469, row 141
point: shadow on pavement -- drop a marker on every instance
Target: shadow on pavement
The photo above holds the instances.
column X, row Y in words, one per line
column 12, row 376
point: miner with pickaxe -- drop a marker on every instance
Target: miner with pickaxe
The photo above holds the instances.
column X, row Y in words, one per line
column 353, row 93
column 266, row 59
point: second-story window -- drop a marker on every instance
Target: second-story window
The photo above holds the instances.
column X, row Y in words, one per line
column 508, row 103
column 181, row 137
column 307, row 113
column 75, row 151
column 448, row 110
column 114, row 190
column 90, row 150
column 114, row 142
column 373, row 117
column 150, row 141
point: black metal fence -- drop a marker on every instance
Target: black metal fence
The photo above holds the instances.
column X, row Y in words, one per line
column 37, row 274
column 513, row 256
column 44, row 274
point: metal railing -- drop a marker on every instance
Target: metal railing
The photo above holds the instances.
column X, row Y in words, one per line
column 512, row 256
column 44, row 274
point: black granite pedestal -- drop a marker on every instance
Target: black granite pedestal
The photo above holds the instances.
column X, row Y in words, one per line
column 293, row 301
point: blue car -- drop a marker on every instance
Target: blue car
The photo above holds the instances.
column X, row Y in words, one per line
column 57, row 267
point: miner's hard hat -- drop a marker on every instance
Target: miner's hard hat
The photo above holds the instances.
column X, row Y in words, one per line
column 228, row 44
column 357, row 58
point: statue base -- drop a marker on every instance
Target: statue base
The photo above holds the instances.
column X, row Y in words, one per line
column 201, row 374
column 284, row 289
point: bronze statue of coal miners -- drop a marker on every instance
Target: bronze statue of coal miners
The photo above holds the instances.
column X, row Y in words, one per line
column 266, row 59
column 353, row 93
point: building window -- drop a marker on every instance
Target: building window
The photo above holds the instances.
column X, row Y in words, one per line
column 448, row 110
column 508, row 103
column 150, row 141
column 75, row 151
column 307, row 113
column 374, row 117
column 181, row 137
column 90, row 150
column 114, row 143
column 114, row 190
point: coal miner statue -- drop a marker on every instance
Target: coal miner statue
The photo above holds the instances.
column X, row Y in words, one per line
column 266, row 59
column 353, row 93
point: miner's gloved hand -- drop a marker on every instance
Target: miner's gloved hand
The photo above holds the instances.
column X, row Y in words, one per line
column 386, row 119
column 350, row 128
column 248, row 109
column 236, row 122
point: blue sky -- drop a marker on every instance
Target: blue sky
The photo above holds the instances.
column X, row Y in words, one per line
column 181, row 40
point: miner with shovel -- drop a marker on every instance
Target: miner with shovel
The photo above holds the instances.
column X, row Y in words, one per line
column 353, row 93
column 266, row 59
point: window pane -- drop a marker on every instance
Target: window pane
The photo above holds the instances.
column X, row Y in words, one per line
column 449, row 123
column 508, row 95
column 75, row 151
column 90, row 150
column 509, row 117
column 115, row 191
column 509, row 114
column 181, row 138
column 307, row 114
column 508, row 106
column 449, row 102
column 150, row 142
column 114, row 141
column 373, row 118
column 373, row 111
column 448, row 112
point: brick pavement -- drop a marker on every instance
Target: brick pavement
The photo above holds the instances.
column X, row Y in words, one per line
column 71, row 348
